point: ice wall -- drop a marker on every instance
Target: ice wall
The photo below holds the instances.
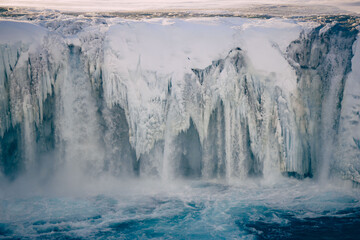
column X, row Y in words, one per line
column 212, row 98
column 29, row 67
column 348, row 141
column 322, row 60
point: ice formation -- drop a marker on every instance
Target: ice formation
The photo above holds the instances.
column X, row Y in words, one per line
column 213, row 98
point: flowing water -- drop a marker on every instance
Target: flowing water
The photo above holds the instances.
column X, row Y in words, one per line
column 150, row 209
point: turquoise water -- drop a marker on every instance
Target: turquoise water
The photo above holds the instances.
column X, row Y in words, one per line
column 185, row 210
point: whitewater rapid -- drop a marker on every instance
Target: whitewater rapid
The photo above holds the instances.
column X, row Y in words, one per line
column 183, row 209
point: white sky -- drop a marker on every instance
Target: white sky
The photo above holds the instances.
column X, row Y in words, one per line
column 139, row 5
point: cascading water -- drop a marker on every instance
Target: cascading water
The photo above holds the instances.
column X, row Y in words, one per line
column 177, row 120
column 79, row 128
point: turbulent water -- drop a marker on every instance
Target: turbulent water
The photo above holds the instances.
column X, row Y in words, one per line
column 210, row 127
column 187, row 210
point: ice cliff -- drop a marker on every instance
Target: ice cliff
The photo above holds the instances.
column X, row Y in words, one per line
column 211, row 97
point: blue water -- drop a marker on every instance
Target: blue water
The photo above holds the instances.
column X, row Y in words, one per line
column 186, row 210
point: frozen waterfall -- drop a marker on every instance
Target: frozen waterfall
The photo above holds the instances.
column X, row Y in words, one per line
column 227, row 98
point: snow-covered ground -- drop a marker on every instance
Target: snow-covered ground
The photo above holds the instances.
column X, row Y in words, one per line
column 146, row 5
